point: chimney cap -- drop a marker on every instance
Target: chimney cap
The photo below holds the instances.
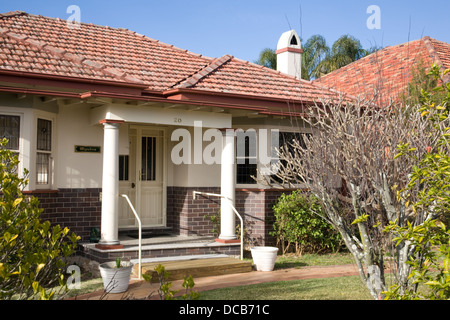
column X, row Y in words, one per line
column 289, row 39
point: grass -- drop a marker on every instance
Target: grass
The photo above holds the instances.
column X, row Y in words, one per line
column 307, row 260
column 339, row 288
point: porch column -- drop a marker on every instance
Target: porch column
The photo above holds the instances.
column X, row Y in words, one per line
column 110, row 184
column 227, row 186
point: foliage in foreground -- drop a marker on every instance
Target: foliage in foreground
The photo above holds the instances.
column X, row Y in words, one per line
column 165, row 292
column 429, row 277
column 296, row 223
column 32, row 252
column 430, row 241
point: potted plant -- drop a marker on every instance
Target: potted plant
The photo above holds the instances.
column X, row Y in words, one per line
column 116, row 275
column 264, row 257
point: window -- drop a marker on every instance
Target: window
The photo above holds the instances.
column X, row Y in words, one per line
column 286, row 139
column 10, row 129
column 148, row 160
column 246, row 157
column 44, row 151
column 123, row 167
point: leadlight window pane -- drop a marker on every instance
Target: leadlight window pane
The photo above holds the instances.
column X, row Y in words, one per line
column 10, row 129
column 42, row 168
column 44, row 135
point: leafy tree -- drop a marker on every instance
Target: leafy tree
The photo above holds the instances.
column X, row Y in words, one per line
column 318, row 59
column 344, row 51
column 422, row 87
column 315, row 51
column 32, row 252
column 268, row 58
column 349, row 163
column 430, row 241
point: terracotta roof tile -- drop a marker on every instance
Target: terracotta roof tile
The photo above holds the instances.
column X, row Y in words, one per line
column 115, row 51
column 47, row 45
column 233, row 75
column 386, row 72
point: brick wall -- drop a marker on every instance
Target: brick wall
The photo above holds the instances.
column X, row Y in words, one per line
column 255, row 205
column 80, row 211
column 187, row 216
column 77, row 209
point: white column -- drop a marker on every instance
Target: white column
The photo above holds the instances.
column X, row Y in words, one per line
column 110, row 184
column 227, row 186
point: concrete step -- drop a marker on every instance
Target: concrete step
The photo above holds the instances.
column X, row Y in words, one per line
column 196, row 267
column 161, row 247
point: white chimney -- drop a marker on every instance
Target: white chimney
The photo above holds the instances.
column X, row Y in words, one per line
column 289, row 54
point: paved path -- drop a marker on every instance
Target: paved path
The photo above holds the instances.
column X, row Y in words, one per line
column 141, row 289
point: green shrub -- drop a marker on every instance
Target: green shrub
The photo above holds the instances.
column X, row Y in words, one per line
column 299, row 223
column 32, row 252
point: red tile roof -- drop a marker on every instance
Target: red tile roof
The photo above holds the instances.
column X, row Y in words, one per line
column 388, row 71
column 233, row 75
column 98, row 52
column 31, row 43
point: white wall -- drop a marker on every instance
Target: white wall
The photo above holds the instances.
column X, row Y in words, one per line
column 78, row 170
column 191, row 175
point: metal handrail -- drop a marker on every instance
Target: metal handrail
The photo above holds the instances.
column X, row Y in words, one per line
column 140, row 232
column 235, row 211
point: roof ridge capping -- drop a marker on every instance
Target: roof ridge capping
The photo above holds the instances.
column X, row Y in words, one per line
column 191, row 81
column 79, row 59
column 12, row 13
column 434, row 55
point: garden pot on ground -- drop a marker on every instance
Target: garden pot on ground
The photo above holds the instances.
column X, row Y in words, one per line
column 264, row 257
column 116, row 280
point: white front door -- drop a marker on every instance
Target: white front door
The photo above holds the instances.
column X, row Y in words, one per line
column 142, row 178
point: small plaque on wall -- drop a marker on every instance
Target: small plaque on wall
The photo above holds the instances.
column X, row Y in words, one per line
column 88, row 149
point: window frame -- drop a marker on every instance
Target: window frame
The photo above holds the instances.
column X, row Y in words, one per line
column 51, row 167
column 19, row 151
column 247, row 157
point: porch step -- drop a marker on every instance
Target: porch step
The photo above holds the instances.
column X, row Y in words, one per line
column 147, row 232
column 161, row 247
column 197, row 268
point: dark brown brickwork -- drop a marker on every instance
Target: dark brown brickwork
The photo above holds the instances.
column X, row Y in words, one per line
column 187, row 216
column 255, row 205
column 77, row 209
column 80, row 211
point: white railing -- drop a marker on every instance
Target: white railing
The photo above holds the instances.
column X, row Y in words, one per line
column 235, row 211
column 140, row 233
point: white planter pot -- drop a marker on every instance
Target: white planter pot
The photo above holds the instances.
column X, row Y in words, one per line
column 264, row 257
column 116, row 280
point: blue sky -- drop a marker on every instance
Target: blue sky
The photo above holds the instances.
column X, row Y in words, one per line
column 243, row 28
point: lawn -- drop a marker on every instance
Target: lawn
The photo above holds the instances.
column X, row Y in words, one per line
column 339, row 288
